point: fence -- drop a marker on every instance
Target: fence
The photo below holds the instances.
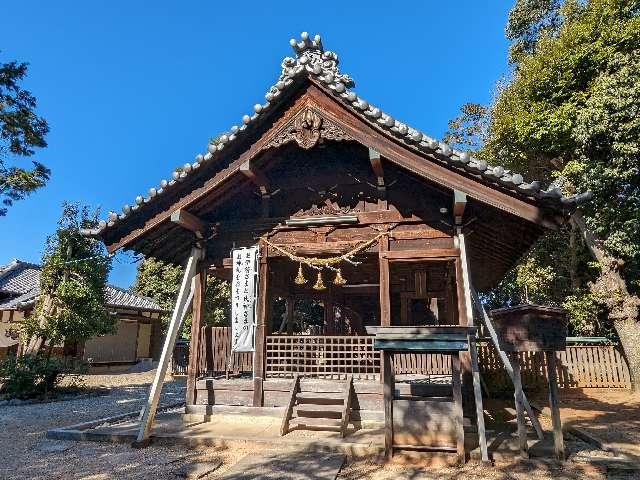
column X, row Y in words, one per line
column 333, row 357
column 579, row 366
column 216, row 356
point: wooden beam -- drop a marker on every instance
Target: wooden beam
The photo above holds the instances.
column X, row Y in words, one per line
column 457, row 401
column 190, row 222
column 432, row 254
column 185, row 295
column 519, row 396
column 376, row 164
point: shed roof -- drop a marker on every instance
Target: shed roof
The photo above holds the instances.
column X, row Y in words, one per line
column 20, row 287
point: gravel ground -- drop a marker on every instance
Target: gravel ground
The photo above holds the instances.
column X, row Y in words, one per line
column 27, row 454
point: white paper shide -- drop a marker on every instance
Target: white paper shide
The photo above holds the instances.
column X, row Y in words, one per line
column 243, row 299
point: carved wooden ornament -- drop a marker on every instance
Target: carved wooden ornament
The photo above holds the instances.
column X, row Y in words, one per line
column 307, row 128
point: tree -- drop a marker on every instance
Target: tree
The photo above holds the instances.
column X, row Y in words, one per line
column 71, row 305
column 21, row 131
column 569, row 112
column 468, row 131
column 161, row 281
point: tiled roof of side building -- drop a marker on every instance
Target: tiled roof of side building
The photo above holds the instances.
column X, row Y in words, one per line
column 20, row 287
column 312, row 60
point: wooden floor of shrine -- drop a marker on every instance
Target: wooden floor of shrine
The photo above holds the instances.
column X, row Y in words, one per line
column 276, row 391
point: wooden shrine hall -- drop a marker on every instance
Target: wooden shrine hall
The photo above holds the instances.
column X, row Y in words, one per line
column 362, row 223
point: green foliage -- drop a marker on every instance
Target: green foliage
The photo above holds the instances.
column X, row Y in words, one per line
column 587, row 315
column 161, row 281
column 72, row 283
column 30, row 376
column 528, row 21
column 570, row 109
column 468, row 131
column 21, row 130
column 158, row 280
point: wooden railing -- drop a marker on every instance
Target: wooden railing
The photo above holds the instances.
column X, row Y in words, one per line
column 334, row 357
column 328, row 357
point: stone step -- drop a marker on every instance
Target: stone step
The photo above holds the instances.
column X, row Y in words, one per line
column 332, row 423
column 320, row 398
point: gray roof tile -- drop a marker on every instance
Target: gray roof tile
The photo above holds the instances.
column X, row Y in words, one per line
column 20, row 286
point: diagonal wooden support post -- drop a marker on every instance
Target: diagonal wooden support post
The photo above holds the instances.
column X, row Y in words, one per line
column 505, row 360
column 473, row 351
column 185, row 296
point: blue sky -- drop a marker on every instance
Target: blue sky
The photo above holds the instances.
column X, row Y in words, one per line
column 133, row 89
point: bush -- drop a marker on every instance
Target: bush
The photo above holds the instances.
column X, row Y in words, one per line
column 30, row 376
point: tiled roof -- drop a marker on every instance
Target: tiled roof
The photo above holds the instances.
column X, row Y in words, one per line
column 312, row 60
column 20, row 287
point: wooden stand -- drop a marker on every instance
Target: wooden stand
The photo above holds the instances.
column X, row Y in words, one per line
column 526, row 328
column 445, row 340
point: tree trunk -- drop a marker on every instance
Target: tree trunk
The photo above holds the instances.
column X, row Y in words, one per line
column 623, row 307
column 34, row 344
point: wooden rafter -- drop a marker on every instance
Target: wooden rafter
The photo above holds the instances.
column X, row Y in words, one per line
column 256, row 177
column 190, row 222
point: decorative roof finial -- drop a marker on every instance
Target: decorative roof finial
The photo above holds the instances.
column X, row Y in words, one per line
column 312, row 57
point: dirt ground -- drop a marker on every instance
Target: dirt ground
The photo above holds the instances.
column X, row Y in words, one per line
column 612, row 416
column 26, row 453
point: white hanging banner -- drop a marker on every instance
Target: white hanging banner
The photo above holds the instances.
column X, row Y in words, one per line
column 243, row 299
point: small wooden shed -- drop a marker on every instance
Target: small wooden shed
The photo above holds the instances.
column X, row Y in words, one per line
column 138, row 330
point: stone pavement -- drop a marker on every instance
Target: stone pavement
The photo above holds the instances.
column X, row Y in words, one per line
column 289, row 465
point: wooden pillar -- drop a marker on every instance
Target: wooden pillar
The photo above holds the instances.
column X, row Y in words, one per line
column 200, row 284
column 558, row 441
column 261, row 325
column 385, row 292
column 388, row 391
column 465, row 357
column 519, row 400
column 457, row 400
column 465, row 275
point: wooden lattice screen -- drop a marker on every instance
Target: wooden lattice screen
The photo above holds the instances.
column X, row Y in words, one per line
column 328, row 357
